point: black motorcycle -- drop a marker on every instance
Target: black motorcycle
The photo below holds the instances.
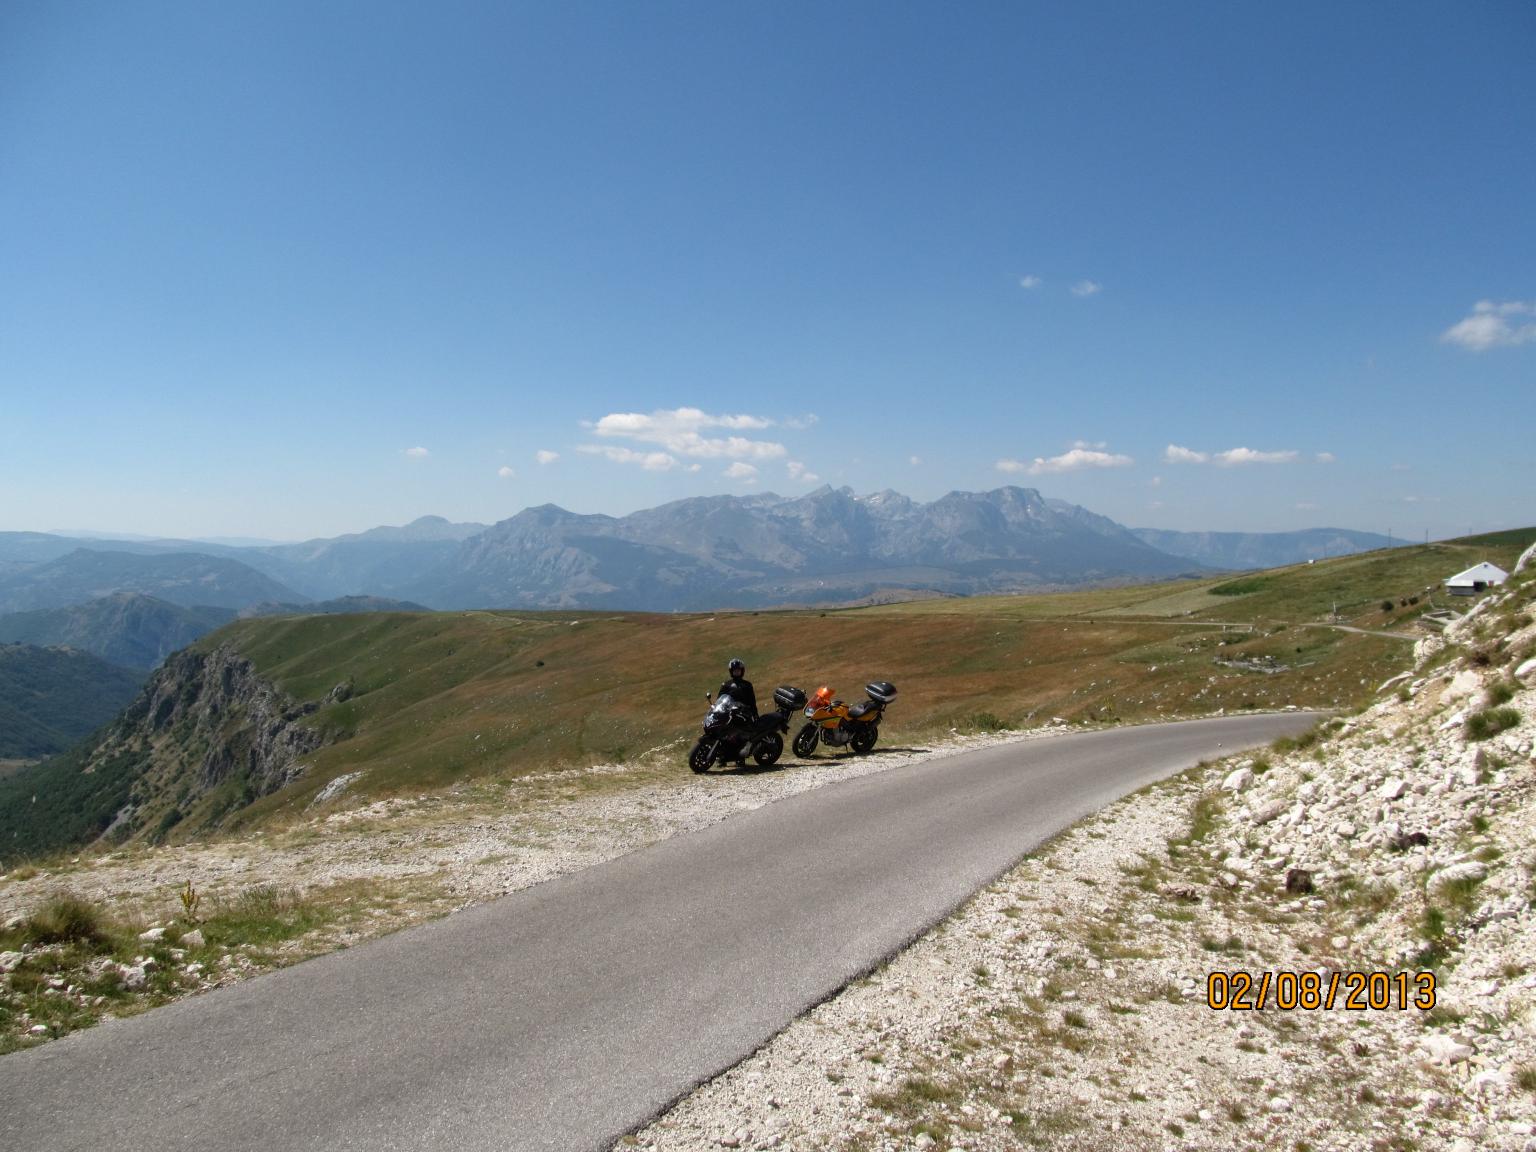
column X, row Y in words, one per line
column 731, row 732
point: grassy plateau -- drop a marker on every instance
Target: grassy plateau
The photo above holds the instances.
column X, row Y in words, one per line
column 439, row 697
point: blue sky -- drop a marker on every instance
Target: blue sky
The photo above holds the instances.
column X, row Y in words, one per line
column 288, row 270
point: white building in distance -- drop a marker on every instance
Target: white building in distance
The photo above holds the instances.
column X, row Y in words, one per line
column 1478, row 578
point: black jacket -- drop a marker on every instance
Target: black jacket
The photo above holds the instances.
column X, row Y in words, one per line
column 740, row 690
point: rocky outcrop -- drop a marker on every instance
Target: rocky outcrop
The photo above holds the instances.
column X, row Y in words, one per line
column 246, row 726
column 206, row 736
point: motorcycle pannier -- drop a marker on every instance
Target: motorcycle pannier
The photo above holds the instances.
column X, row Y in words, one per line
column 789, row 697
column 882, row 691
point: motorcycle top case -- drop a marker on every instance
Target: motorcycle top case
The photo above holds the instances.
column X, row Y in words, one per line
column 788, row 696
column 882, row 691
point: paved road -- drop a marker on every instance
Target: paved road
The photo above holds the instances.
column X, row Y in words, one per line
column 565, row 1015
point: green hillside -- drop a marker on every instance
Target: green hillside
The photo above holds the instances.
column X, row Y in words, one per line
column 126, row 628
column 50, row 698
column 439, row 698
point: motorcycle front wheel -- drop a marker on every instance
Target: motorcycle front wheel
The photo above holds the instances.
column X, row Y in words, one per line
column 863, row 738
column 805, row 741
column 768, row 750
column 702, row 756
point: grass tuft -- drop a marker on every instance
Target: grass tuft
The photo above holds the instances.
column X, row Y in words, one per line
column 67, row 919
column 1490, row 722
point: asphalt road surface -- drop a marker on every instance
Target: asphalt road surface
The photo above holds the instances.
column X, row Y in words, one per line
column 565, row 1015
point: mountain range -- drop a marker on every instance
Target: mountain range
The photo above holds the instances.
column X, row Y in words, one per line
column 830, row 546
column 1248, row 550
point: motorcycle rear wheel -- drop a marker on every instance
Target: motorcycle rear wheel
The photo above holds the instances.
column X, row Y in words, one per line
column 702, row 756
column 863, row 738
column 805, row 741
column 768, row 750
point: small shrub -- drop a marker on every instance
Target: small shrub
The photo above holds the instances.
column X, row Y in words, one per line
column 1490, row 722
column 1525, row 1078
column 1500, row 692
column 983, row 722
column 1387, row 605
column 67, row 919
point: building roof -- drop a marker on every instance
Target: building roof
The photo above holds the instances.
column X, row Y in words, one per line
column 1484, row 573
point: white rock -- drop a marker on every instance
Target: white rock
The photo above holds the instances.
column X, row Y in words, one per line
column 152, row 934
column 133, row 976
column 1526, row 669
column 1488, row 1078
column 9, row 960
column 1269, row 811
column 1279, row 1104
column 1238, row 780
column 1466, row 870
column 1443, row 1049
column 1393, row 788
column 1462, row 685
column 193, row 939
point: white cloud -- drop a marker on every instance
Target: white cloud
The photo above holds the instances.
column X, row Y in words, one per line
column 680, row 431
column 1077, row 459
column 506, row 473
column 650, row 461
column 1154, row 504
column 1306, row 506
column 416, row 453
column 741, row 471
column 1421, row 499
column 1030, row 282
column 1173, row 454
column 545, row 456
column 1494, row 325
column 801, row 423
column 1234, row 456
column 1155, row 482
column 915, row 461
column 798, row 471
column 1402, row 467
column 1326, row 458
column 1087, row 288
column 1081, row 455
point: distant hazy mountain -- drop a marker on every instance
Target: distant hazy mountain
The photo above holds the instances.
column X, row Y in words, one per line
column 188, row 579
column 381, row 562
column 339, row 606
column 1243, row 550
column 828, row 546
column 126, row 628
column 50, row 698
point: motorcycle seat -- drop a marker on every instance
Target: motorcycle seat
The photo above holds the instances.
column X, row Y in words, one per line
column 862, row 709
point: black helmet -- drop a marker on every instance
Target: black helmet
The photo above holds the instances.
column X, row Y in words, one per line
column 736, row 668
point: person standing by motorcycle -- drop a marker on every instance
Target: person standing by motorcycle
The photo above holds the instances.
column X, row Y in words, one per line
column 739, row 689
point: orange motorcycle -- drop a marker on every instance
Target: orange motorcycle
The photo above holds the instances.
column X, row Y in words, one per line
column 837, row 724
